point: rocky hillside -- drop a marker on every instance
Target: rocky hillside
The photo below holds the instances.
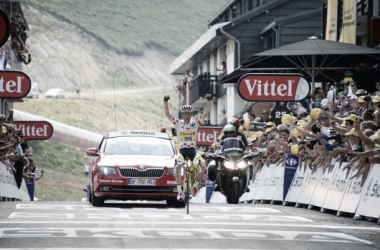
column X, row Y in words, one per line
column 87, row 43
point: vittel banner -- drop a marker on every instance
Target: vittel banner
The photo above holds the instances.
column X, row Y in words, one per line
column 14, row 84
column 273, row 87
column 206, row 136
column 35, row 130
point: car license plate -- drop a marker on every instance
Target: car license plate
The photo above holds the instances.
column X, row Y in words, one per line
column 141, row 182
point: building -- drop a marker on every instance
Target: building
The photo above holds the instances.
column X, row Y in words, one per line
column 356, row 22
column 239, row 30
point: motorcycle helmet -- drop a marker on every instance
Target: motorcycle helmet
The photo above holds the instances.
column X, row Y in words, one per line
column 229, row 130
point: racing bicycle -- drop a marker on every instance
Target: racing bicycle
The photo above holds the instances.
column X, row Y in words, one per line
column 191, row 171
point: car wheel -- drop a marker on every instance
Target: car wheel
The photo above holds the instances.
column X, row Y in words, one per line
column 96, row 201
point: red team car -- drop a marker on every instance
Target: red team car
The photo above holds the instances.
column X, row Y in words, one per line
column 133, row 165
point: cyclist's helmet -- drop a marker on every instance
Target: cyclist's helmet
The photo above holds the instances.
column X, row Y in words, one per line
column 229, row 130
column 186, row 108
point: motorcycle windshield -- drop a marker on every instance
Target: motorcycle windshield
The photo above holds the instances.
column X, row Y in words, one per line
column 232, row 148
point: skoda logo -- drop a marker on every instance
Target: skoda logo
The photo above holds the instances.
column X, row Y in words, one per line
column 368, row 189
column 141, row 167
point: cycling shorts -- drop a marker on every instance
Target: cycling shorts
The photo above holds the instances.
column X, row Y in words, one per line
column 188, row 152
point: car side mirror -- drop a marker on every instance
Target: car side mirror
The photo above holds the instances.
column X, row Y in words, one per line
column 92, row 152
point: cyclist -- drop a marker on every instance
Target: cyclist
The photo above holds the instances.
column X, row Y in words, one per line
column 187, row 139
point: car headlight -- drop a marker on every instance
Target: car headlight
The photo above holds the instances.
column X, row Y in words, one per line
column 170, row 171
column 228, row 165
column 104, row 170
column 242, row 164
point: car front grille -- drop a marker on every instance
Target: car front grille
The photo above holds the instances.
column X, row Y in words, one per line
column 148, row 173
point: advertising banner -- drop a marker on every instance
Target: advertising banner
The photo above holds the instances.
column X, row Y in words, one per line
column 309, row 185
column 331, row 20
column 273, row 87
column 348, row 30
column 255, row 186
column 322, row 188
column 8, row 186
column 5, row 25
column 14, row 84
column 338, row 188
column 206, row 136
column 264, row 184
column 352, row 195
column 275, row 181
column 35, row 130
column 295, row 187
column 291, row 165
column 370, row 200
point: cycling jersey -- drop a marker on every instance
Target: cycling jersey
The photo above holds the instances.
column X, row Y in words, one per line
column 187, row 132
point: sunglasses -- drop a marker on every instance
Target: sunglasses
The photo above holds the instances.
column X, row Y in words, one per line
column 349, row 123
column 187, row 113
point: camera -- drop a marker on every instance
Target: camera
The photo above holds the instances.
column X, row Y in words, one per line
column 367, row 98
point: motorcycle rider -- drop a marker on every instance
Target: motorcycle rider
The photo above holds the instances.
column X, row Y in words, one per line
column 236, row 123
column 229, row 131
column 187, row 138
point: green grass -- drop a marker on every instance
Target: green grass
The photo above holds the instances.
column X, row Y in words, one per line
column 134, row 110
column 131, row 26
column 62, row 163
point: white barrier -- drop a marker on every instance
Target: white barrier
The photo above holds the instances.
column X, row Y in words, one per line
column 295, row 187
column 309, row 185
column 330, row 190
column 337, row 189
column 24, row 193
column 8, row 186
column 369, row 204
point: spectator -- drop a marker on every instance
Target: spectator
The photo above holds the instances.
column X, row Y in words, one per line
column 264, row 117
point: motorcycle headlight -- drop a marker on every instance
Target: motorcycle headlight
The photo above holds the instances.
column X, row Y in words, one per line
column 104, row 170
column 242, row 164
column 229, row 165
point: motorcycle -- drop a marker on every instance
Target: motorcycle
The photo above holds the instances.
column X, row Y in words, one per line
column 231, row 171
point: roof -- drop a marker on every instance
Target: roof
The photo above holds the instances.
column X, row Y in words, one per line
column 137, row 133
column 292, row 18
column 251, row 14
column 198, row 51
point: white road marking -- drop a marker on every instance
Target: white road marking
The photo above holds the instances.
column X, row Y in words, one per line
column 142, row 216
column 235, row 209
column 338, row 226
column 132, row 249
column 231, row 234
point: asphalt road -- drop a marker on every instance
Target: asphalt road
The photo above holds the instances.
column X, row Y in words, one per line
column 78, row 225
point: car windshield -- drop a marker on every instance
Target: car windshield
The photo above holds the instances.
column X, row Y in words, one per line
column 138, row 146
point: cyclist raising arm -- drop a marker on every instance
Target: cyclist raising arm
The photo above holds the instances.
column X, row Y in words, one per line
column 187, row 138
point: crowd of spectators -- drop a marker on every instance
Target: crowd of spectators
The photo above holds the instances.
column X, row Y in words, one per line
column 15, row 153
column 341, row 124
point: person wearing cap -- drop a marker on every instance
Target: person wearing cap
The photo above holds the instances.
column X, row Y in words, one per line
column 264, row 117
column 377, row 92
